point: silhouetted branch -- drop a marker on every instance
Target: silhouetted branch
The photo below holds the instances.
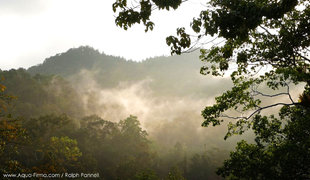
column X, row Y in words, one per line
column 266, row 30
column 275, row 95
column 258, row 111
column 267, row 95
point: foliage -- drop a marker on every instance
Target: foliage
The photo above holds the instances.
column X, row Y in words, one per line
column 175, row 174
column 120, row 150
column 114, row 150
column 45, row 127
column 281, row 150
column 275, row 38
column 146, row 175
column 59, row 155
column 16, row 141
column 200, row 167
column 12, row 136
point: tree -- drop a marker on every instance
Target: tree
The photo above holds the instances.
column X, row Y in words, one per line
column 12, row 136
column 281, row 150
column 115, row 150
column 137, row 156
column 60, row 154
column 175, row 174
column 200, row 167
column 258, row 34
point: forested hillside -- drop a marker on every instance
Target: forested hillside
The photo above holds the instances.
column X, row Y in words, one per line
column 40, row 94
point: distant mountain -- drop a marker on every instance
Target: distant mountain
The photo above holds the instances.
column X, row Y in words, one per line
column 174, row 75
column 72, row 61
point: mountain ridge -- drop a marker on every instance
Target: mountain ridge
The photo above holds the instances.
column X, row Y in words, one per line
column 88, row 57
column 172, row 75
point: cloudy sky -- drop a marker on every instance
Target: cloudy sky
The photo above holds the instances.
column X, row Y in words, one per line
column 32, row 30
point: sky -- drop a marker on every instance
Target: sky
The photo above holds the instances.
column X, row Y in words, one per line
column 32, row 30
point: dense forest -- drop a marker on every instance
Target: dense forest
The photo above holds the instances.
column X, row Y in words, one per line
column 84, row 111
column 231, row 102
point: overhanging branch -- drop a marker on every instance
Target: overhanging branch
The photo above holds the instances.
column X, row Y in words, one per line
column 258, row 111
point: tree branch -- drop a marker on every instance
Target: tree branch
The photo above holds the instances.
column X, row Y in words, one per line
column 267, row 95
column 265, row 30
column 258, row 111
column 275, row 95
column 307, row 59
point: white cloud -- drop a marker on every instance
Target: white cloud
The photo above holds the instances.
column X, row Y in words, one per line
column 22, row 7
